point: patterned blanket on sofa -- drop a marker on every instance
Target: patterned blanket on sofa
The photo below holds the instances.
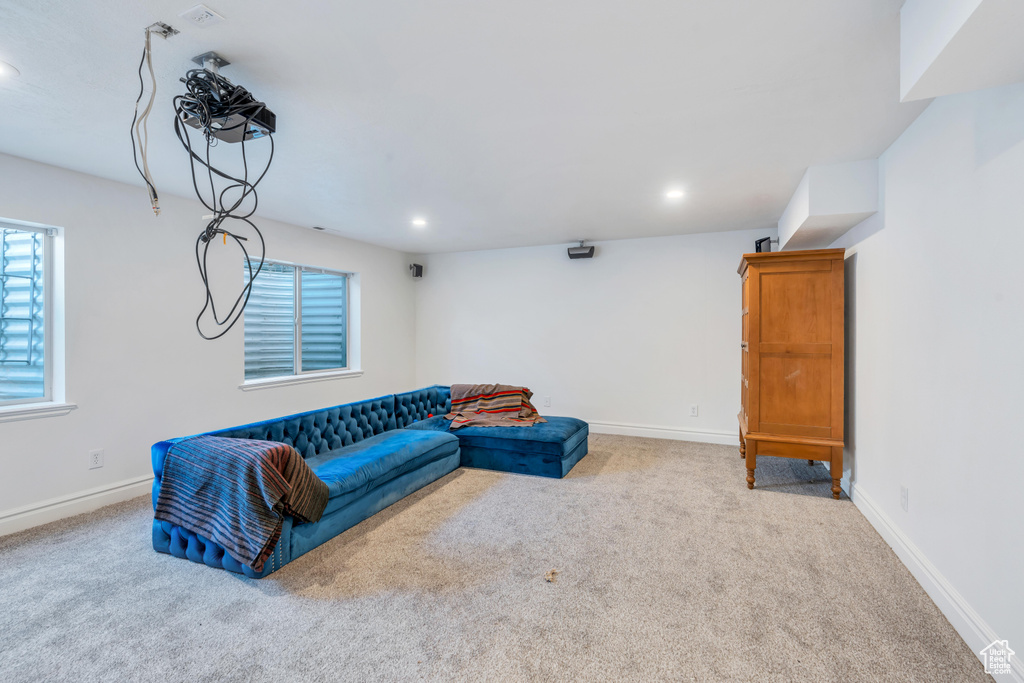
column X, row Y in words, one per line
column 491, row 405
column 236, row 492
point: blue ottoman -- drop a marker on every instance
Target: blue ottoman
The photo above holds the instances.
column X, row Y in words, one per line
column 547, row 449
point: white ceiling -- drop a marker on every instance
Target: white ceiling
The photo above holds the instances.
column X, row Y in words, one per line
column 504, row 122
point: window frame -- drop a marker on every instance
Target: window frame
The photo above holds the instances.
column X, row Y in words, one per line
column 298, row 376
column 49, row 234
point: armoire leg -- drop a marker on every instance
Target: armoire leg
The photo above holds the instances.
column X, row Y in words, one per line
column 751, row 453
column 836, row 468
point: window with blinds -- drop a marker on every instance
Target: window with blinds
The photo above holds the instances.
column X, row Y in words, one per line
column 23, row 319
column 296, row 321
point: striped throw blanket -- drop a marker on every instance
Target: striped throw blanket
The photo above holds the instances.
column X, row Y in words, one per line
column 236, row 492
column 492, row 405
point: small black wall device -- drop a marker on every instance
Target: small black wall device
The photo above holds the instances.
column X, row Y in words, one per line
column 416, row 269
column 581, row 251
column 763, row 244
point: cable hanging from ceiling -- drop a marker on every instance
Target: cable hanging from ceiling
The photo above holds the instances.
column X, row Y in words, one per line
column 222, row 111
column 140, row 128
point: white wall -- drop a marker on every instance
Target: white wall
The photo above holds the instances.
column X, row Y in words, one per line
column 936, row 332
column 955, row 46
column 627, row 340
column 926, row 28
column 136, row 367
column 829, row 200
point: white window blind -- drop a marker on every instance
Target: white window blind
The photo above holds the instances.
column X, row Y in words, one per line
column 23, row 300
column 324, row 322
column 296, row 321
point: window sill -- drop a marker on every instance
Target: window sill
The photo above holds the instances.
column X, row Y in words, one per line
column 31, row 411
column 255, row 384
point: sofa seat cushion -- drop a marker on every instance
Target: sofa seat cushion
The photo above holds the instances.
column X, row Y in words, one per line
column 557, row 436
column 548, row 449
column 354, row 470
column 432, row 424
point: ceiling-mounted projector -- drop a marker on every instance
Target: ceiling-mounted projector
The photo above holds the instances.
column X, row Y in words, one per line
column 220, row 108
column 237, row 127
column 581, row 251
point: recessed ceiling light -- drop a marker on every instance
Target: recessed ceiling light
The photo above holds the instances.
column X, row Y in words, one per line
column 419, row 222
column 674, row 194
column 8, row 70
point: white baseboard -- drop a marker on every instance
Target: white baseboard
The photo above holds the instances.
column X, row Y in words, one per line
column 51, row 510
column 654, row 432
column 967, row 622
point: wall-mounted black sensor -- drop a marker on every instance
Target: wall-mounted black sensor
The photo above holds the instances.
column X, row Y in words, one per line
column 581, row 251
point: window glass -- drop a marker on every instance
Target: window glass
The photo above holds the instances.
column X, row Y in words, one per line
column 270, row 323
column 23, row 320
column 324, row 300
column 296, row 321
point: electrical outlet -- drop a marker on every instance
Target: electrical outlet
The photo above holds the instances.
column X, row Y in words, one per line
column 694, row 410
column 96, row 459
column 905, row 498
column 547, row 401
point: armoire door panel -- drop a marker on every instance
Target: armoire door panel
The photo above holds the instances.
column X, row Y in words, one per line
column 795, row 307
column 796, row 390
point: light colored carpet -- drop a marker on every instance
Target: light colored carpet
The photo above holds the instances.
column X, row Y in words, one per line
column 669, row 569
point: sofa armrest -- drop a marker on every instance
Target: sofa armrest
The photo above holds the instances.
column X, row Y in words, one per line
column 158, row 453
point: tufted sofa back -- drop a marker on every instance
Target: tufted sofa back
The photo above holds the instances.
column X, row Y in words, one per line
column 318, row 431
column 421, row 404
column 322, row 430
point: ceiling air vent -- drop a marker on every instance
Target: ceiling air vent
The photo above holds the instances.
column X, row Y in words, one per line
column 202, row 16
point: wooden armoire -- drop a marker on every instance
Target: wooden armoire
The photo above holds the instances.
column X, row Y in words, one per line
column 792, row 349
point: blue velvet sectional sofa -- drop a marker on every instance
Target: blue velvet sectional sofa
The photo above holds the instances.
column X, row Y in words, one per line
column 372, row 454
